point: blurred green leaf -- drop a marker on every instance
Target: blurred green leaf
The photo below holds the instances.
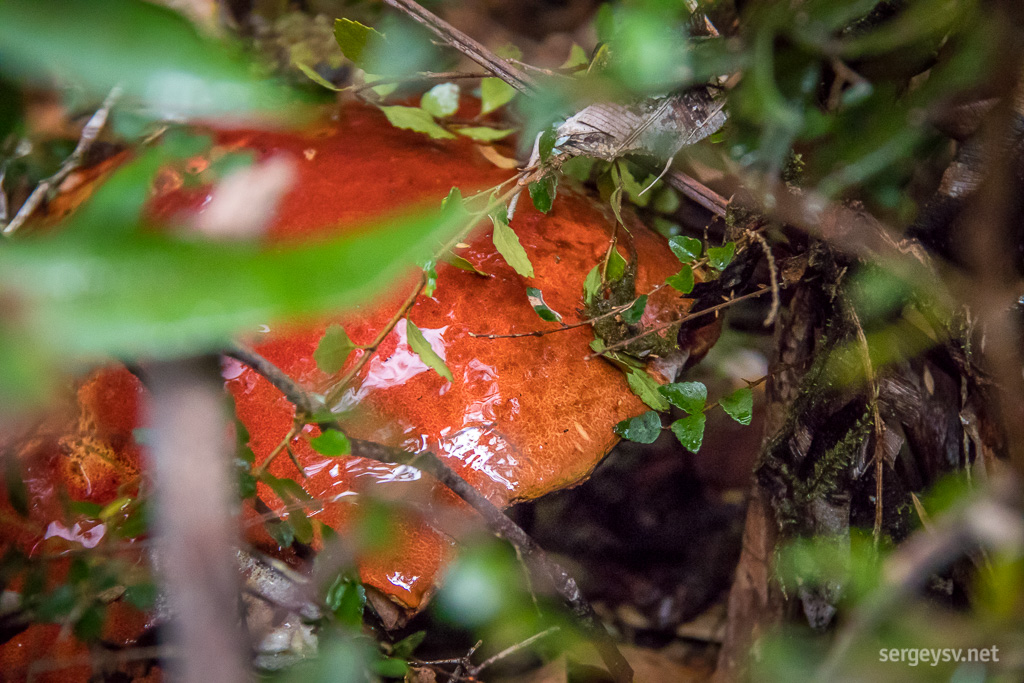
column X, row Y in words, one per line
column 416, row 119
column 422, row 348
column 484, row 133
column 154, row 54
column 407, row 646
column 333, row 350
column 688, row 396
column 643, row 429
column 739, row 405
column 312, row 75
column 577, row 58
column 357, row 42
column 616, row 266
column 592, row 285
column 690, row 431
column 159, row 295
column 442, row 100
column 346, row 599
column 390, row 667
column 494, row 94
column 331, row 443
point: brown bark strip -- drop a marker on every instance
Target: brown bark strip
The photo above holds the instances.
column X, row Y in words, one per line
column 195, row 520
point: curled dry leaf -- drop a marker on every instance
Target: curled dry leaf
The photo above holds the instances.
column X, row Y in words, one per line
column 523, row 417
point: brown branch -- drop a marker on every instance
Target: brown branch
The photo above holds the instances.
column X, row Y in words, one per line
column 698, row 192
column 90, row 132
column 513, row 75
column 684, row 319
column 540, row 564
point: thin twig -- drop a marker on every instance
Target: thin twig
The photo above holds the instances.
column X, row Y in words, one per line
column 513, row 75
column 540, row 564
column 90, row 132
column 509, row 651
column 571, row 326
column 684, row 319
column 773, row 276
column 698, row 192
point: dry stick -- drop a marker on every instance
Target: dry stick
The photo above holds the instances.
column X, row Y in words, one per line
column 474, row 671
column 773, row 276
column 495, row 519
column 684, row 319
column 698, row 192
column 455, row 38
column 90, row 132
column 196, row 527
column 563, row 328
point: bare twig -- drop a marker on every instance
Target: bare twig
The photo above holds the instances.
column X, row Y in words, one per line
column 538, row 561
column 684, row 319
column 513, row 75
column 474, row 671
column 773, row 276
column 90, row 132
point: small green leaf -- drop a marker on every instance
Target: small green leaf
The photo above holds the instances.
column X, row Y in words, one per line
column 453, row 207
column 688, row 396
column 739, row 405
column 484, row 133
column 390, row 667
column 346, row 599
column 90, row 624
column 542, row 193
column 536, row 299
column 430, row 270
column 333, row 350
column 494, row 93
column 422, row 348
column 683, row 280
column 356, row 41
column 690, row 431
column 685, row 248
column 312, row 75
column 644, row 386
column 546, row 144
column 616, row 266
column 459, row 262
column 441, row 100
column 507, row 244
column 406, row 646
column 720, row 257
column 331, row 443
column 414, row 118
column 282, row 533
column 141, row 595
column 643, row 429
column 577, row 57
column 592, row 285
column 632, row 315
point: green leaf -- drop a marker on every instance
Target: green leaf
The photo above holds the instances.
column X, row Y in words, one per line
column 331, row 443
column 422, row 348
column 390, row 667
column 643, row 429
column 739, row 405
column 685, row 248
column 163, row 66
column 282, row 532
column 688, row 396
column 357, row 42
column 720, row 257
column 312, row 75
column 463, row 264
column 333, row 350
column 141, row 595
column 644, row 386
column 346, row 599
column 536, row 299
column 507, row 244
column 453, row 207
column 542, row 193
column 690, row 431
column 484, row 133
column 414, row 118
column 407, row 646
column 89, row 625
column 683, row 280
column 546, row 144
column 577, row 57
column 632, row 315
column 430, row 270
column 592, row 285
column 441, row 100
column 88, row 291
column 14, row 479
column 494, row 94
column 616, row 266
